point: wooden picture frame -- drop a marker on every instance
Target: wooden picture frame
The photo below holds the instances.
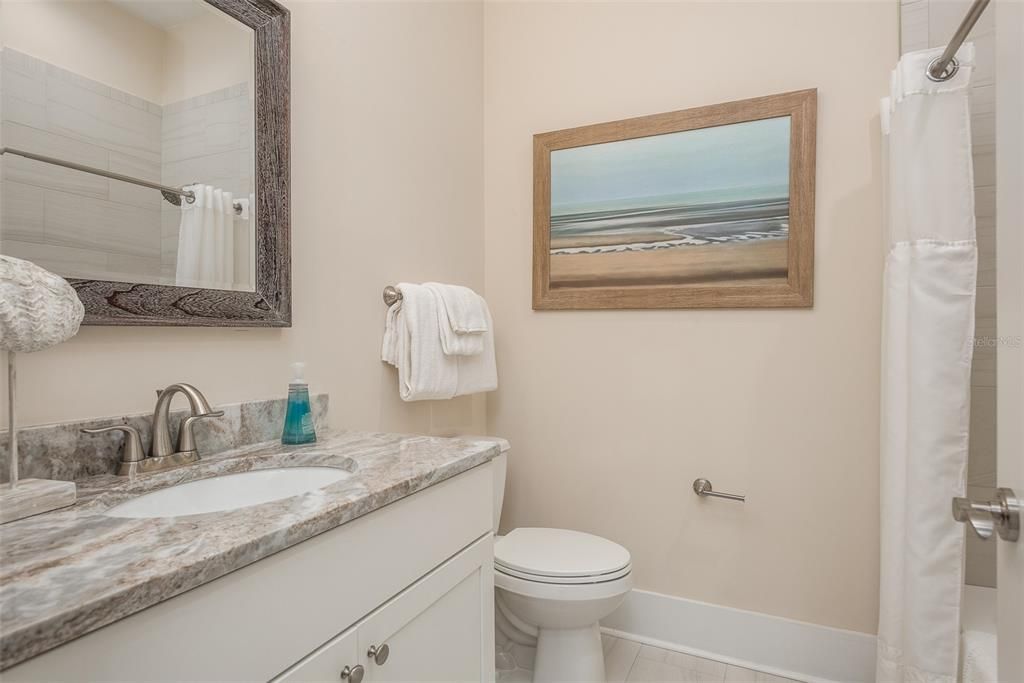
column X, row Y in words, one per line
column 631, row 282
column 126, row 303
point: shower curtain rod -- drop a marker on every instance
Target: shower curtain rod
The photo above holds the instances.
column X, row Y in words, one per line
column 945, row 67
column 174, row 195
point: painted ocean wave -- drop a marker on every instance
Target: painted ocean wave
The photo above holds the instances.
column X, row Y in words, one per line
column 779, row 232
column 664, row 225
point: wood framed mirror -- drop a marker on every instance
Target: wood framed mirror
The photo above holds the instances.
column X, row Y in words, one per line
column 150, row 166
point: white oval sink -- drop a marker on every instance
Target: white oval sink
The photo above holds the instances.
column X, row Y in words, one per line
column 229, row 492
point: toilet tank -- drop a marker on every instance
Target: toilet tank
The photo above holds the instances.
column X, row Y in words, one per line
column 500, row 464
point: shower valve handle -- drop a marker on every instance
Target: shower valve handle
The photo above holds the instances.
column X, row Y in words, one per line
column 1001, row 515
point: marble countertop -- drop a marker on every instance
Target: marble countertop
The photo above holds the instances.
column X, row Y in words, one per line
column 69, row 572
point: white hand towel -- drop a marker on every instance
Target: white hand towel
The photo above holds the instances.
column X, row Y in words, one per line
column 462, row 319
column 413, row 345
column 480, row 372
column 466, row 310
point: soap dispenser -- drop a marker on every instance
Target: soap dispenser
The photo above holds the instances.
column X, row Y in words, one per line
column 298, row 420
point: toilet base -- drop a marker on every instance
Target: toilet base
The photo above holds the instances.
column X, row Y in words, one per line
column 569, row 655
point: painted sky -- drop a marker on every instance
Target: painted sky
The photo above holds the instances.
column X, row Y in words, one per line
column 751, row 154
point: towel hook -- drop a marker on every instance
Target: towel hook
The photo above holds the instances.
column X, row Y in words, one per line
column 391, row 296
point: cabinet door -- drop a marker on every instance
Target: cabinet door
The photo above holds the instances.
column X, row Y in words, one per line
column 327, row 662
column 439, row 629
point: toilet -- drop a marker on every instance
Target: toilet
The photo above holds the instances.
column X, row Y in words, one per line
column 555, row 585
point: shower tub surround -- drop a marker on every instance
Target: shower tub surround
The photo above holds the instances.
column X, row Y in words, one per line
column 81, row 225
column 70, row 572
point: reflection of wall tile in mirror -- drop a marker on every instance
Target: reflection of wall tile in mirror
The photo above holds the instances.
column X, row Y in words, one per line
column 208, row 124
column 68, row 261
column 23, row 212
column 77, row 221
column 88, row 116
column 220, row 170
column 120, row 231
column 182, row 135
column 126, row 193
column 225, row 125
column 24, row 85
column 114, row 228
column 124, row 264
column 29, row 172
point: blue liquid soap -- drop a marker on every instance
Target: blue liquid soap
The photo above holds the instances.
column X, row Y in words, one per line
column 298, row 420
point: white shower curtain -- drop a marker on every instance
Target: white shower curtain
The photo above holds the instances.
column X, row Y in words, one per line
column 928, row 323
column 206, row 240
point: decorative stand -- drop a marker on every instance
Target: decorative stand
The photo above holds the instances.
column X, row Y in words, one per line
column 40, row 310
column 27, row 497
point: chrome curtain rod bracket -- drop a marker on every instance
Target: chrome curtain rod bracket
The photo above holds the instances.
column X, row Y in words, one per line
column 945, row 67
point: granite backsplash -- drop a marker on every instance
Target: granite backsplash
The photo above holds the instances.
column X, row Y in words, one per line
column 62, row 451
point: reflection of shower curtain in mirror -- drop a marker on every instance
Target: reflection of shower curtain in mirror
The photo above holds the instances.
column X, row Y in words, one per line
column 206, row 242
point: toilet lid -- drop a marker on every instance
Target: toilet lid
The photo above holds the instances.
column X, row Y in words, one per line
column 558, row 553
column 563, row 580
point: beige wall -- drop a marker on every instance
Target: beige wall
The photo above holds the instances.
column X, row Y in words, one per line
column 93, row 39
column 612, row 415
column 386, row 186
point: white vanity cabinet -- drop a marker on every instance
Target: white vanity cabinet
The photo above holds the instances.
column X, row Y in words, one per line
column 333, row 662
column 415, row 575
column 432, row 631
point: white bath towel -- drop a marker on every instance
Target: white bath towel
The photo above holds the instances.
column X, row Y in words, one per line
column 412, row 343
column 424, row 371
column 462, row 319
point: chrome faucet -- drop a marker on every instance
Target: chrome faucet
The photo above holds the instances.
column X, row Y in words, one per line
column 162, row 430
column 162, row 455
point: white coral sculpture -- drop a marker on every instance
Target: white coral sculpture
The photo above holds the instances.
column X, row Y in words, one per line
column 37, row 308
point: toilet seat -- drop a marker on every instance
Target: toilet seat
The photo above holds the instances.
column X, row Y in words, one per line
column 560, row 556
column 563, row 580
column 567, row 592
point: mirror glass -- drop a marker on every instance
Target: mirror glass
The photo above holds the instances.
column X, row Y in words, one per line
column 155, row 91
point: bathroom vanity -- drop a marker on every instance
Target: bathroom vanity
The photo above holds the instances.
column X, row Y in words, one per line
column 384, row 575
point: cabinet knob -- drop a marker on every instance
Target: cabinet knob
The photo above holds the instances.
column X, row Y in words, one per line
column 353, row 674
column 379, row 653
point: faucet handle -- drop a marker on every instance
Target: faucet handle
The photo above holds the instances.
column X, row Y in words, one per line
column 186, row 439
column 132, row 451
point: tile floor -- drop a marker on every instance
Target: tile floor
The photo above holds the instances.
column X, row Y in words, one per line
column 627, row 661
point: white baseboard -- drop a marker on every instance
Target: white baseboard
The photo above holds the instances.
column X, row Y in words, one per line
column 775, row 645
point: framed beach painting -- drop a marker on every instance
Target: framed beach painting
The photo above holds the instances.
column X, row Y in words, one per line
column 710, row 207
